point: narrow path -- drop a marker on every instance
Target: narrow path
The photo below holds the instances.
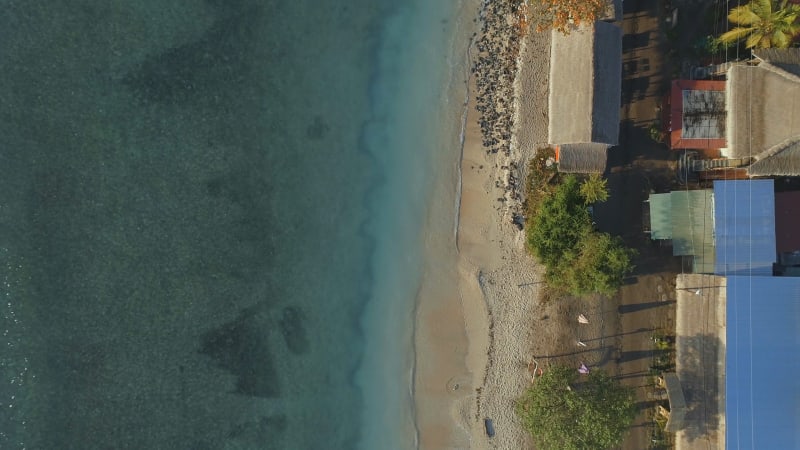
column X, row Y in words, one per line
column 637, row 167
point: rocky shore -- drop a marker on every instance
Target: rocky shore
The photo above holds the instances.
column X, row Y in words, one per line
column 500, row 57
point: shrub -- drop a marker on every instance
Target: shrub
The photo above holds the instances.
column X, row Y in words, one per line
column 565, row 413
column 578, row 259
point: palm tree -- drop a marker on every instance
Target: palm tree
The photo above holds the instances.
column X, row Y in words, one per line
column 594, row 189
column 765, row 23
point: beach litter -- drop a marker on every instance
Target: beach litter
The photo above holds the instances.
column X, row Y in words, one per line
column 487, row 422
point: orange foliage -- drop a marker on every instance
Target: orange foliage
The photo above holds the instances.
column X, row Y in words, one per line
column 522, row 23
column 566, row 15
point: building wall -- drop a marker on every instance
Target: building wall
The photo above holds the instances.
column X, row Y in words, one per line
column 787, row 221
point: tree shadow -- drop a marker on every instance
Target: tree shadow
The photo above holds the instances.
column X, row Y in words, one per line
column 640, row 7
column 646, row 404
column 635, row 88
column 632, row 41
column 623, row 309
column 633, row 355
column 586, row 351
column 639, row 374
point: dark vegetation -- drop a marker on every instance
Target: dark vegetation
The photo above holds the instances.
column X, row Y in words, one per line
column 560, row 231
column 565, row 412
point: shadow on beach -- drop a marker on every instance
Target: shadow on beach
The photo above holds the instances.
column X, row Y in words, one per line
column 624, row 309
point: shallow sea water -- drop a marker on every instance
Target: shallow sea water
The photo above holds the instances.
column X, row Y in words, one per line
column 212, row 218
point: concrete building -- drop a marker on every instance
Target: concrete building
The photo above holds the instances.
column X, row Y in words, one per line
column 736, row 362
column 700, row 345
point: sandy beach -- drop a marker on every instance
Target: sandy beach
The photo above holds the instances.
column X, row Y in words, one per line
column 474, row 342
column 477, row 342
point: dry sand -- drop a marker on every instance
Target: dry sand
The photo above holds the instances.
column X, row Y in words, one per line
column 475, row 344
column 478, row 337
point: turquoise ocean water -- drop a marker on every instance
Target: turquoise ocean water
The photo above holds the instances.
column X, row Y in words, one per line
column 213, row 216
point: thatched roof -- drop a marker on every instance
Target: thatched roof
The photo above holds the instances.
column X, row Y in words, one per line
column 763, row 104
column 585, row 85
column 787, row 59
column 582, row 158
column 783, row 159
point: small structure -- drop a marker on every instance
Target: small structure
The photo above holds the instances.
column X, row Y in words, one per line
column 677, row 402
column 584, row 95
column 685, row 217
column 697, row 114
column 729, row 230
column 582, row 158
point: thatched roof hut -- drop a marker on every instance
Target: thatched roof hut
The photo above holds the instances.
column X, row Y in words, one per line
column 582, row 158
column 585, row 85
column 782, row 159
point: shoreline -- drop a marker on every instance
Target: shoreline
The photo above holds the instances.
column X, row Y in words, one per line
column 466, row 341
column 474, row 343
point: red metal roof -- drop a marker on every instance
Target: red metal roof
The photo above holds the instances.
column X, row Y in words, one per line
column 676, row 140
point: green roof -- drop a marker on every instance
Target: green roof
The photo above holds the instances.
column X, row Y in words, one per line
column 686, row 217
column 660, row 216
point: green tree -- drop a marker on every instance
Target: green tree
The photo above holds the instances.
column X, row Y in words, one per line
column 765, row 23
column 560, row 222
column 578, row 259
column 594, row 189
column 564, row 412
column 599, row 263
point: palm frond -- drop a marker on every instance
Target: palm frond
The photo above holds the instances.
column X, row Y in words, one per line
column 734, row 35
column 762, row 8
column 743, row 15
column 755, row 40
column 788, row 18
column 779, row 39
column 763, row 23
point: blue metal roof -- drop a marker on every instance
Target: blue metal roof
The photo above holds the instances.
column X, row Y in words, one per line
column 762, row 378
column 744, row 227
